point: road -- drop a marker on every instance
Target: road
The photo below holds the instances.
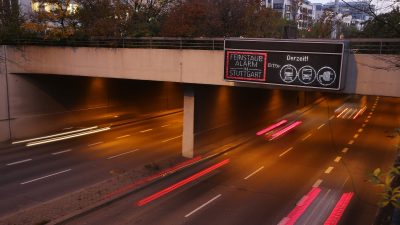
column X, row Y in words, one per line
column 32, row 175
column 299, row 178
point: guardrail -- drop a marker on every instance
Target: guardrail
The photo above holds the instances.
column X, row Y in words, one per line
column 358, row 46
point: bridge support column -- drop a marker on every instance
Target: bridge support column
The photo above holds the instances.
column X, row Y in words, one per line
column 188, row 122
column 5, row 131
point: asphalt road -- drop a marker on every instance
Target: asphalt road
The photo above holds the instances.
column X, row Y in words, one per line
column 32, row 175
column 315, row 165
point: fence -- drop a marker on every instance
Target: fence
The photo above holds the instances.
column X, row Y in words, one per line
column 358, row 46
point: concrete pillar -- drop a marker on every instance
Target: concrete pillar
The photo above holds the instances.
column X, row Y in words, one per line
column 4, row 109
column 188, row 122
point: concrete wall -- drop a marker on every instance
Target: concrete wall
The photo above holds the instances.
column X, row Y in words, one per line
column 186, row 66
column 40, row 104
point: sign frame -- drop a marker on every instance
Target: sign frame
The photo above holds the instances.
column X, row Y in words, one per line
column 341, row 75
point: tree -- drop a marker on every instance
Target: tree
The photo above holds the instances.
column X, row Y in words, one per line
column 10, row 20
column 386, row 25
column 54, row 19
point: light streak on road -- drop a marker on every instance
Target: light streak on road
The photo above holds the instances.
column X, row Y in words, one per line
column 54, row 135
column 339, row 209
column 271, row 127
column 301, row 207
column 41, row 178
column 202, row 206
column 181, row 183
column 67, row 137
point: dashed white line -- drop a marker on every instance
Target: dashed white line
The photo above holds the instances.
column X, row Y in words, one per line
column 320, row 126
column 317, row 183
column 355, row 136
column 345, row 150
column 258, row 170
column 50, row 175
column 202, row 206
column 123, row 136
column 364, row 125
column 115, row 156
column 360, row 130
column 61, row 152
column 166, row 125
column 288, row 150
column 144, row 131
column 366, row 121
column 97, row 143
column 171, row 138
column 306, row 137
column 19, row 162
column 369, row 117
column 351, row 142
column 337, row 159
column 329, row 170
column 332, row 117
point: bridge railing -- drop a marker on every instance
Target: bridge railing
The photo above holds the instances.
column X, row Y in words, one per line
column 358, row 46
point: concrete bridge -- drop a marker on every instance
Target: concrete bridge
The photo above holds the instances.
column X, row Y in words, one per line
column 366, row 74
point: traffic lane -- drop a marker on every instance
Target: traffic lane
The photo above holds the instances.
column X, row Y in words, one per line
column 255, row 158
column 19, row 195
column 18, row 152
column 371, row 150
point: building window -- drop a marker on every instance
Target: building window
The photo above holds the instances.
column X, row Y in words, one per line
column 287, row 16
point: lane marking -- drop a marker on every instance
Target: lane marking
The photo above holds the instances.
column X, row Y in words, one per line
column 202, row 206
column 329, row 170
column 320, row 126
column 305, row 138
column 115, row 156
column 369, row 117
column 258, row 170
column 144, row 131
column 337, row 159
column 331, row 118
column 50, row 175
column 345, row 150
column 360, row 130
column 288, row 150
column 351, row 142
column 124, row 136
column 18, row 162
column 355, row 136
column 370, row 113
column 317, row 183
column 367, row 121
column 171, row 138
column 97, row 143
column 166, row 125
column 60, row 152
column 68, row 128
column 364, row 125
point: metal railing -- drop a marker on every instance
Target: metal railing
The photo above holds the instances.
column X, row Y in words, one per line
column 358, row 46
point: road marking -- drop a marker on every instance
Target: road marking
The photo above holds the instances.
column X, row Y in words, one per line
column 369, row 117
column 166, row 125
column 124, row 136
column 202, row 206
column 171, row 138
column 258, row 170
column 68, row 128
column 337, row 159
column 60, row 152
column 331, row 118
column 360, row 130
column 320, row 126
column 364, row 125
column 351, row 142
column 329, row 170
column 288, row 150
column 317, row 183
column 97, row 143
column 115, row 156
column 22, row 161
column 345, row 150
column 50, row 175
column 305, row 138
column 366, row 121
column 355, row 136
column 144, row 131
